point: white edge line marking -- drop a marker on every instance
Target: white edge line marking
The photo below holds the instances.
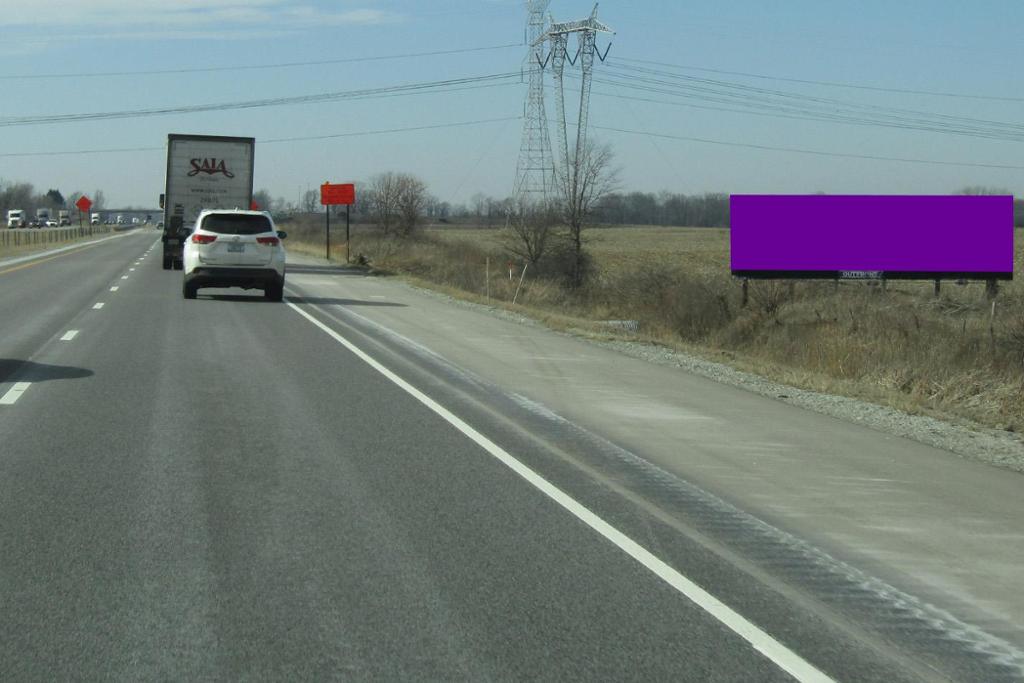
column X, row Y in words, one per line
column 69, row 335
column 14, row 393
column 783, row 657
column 114, row 289
column 97, row 306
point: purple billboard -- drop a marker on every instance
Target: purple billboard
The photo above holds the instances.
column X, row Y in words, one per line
column 856, row 236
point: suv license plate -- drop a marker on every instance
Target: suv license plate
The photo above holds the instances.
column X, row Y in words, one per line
column 236, row 248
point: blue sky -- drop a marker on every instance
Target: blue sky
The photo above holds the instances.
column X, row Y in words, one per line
column 942, row 46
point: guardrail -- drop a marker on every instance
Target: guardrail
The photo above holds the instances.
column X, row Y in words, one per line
column 23, row 237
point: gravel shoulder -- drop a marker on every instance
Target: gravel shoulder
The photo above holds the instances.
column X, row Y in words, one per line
column 966, row 439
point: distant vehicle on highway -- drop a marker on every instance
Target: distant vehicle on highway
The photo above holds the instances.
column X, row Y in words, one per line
column 51, row 223
column 232, row 248
column 64, row 217
column 16, row 218
column 94, row 219
column 119, row 220
column 42, row 215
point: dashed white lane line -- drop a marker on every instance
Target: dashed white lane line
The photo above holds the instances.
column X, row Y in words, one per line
column 124, row 277
column 97, row 306
column 131, row 270
column 786, row 659
column 114, row 289
column 69, row 335
column 14, row 393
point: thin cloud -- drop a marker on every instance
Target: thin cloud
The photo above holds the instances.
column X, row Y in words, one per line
column 110, row 16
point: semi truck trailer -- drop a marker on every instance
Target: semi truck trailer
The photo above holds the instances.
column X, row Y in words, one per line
column 203, row 172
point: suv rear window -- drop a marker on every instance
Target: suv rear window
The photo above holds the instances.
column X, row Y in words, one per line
column 236, row 224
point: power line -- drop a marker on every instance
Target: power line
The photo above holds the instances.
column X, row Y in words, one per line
column 787, row 105
column 370, row 93
column 271, row 140
column 391, row 130
column 797, row 150
column 254, row 67
column 832, row 84
column 757, row 94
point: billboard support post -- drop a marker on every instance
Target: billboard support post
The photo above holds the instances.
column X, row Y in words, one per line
column 938, row 284
column 348, row 224
column 991, row 289
column 328, row 215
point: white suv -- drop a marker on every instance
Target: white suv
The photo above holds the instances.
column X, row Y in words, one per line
column 234, row 249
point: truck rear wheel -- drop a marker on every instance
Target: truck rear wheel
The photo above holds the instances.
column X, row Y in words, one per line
column 167, row 262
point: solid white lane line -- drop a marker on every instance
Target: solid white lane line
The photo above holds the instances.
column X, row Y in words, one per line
column 69, row 335
column 114, row 289
column 97, row 307
column 14, row 393
column 779, row 654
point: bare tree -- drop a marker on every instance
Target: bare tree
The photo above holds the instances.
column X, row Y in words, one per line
column 16, row 196
column 396, row 202
column 382, row 198
column 582, row 189
column 412, row 199
column 531, row 231
column 311, row 201
column 480, row 204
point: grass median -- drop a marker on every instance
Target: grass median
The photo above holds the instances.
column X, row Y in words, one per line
column 954, row 356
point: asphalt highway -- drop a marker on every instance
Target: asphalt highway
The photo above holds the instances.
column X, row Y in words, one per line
column 229, row 488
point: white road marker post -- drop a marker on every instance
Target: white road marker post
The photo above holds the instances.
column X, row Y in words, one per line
column 521, row 278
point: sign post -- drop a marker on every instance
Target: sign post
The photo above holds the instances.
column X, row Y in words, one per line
column 83, row 204
column 333, row 195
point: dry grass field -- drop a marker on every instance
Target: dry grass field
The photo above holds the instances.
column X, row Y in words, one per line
column 952, row 356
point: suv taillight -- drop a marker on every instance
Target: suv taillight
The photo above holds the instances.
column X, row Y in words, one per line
column 268, row 241
column 203, row 239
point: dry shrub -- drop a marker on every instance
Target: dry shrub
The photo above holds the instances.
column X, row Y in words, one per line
column 769, row 295
column 666, row 298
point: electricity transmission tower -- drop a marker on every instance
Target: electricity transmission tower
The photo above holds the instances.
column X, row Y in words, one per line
column 535, row 170
column 541, row 174
column 569, row 160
